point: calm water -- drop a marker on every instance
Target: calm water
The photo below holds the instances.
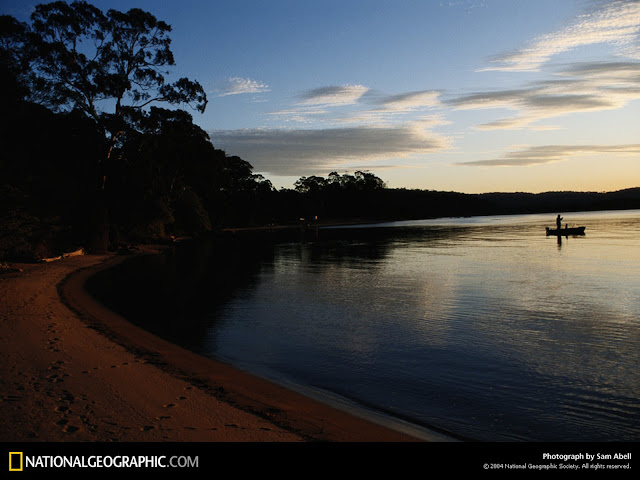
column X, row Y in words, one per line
column 482, row 327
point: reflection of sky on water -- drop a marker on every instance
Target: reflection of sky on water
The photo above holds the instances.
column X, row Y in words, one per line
column 485, row 327
column 463, row 319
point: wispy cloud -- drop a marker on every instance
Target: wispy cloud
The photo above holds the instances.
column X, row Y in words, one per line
column 580, row 87
column 615, row 23
column 333, row 95
column 409, row 101
column 553, row 153
column 299, row 115
column 356, row 105
column 382, row 108
column 299, row 152
column 320, row 104
column 238, row 85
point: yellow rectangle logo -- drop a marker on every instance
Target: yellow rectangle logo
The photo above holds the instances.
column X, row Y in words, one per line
column 15, row 461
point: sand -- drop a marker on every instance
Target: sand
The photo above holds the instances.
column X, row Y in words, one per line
column 74, row 371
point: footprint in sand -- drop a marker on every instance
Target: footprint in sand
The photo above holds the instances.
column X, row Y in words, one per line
column 54, row 379
column 88, row 423
column 66, row 427
column 67, row 397
column 121, row 365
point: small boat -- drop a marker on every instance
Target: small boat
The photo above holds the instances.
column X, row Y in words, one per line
column 566, row 231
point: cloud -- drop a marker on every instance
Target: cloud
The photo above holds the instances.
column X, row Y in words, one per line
column 616, row 70
column 333, row 95
column 355, row 105
column 309, row 151
column 491, row 99
column 616, row 23
column 553, row 153
column 320, row 104
column 386, row 108
column 238, row 85
column 579, row 87
column 299, row 115
column 409, row 101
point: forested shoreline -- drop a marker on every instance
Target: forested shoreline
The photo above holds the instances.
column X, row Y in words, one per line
column 98, row 150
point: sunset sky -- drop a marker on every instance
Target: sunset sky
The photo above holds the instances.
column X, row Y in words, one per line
column 463, row 95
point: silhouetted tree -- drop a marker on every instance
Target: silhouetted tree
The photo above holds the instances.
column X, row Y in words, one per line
column 181, row 183
column 339, row 196
column 14, row 64
column 108, row 67
column 367, row 181
column 312, row 185
column 81, row 58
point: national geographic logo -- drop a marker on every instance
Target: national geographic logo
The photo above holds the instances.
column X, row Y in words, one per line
column 16, row 461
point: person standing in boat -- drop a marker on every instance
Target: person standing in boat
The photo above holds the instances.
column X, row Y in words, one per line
column 559, row 222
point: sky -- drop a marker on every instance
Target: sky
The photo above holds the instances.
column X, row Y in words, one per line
column 470, row 96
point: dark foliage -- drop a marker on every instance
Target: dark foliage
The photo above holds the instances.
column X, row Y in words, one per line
column 75, row 174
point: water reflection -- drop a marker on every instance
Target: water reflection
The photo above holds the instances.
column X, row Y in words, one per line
column 174, row 294
column 491, row 330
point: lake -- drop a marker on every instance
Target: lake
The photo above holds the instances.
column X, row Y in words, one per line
column 482, row 328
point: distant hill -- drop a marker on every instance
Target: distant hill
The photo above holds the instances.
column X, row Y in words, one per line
column 404, row 204
column 561, row 201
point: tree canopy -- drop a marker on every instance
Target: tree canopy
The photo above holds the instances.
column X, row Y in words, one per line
column 106, row 65
column 359, row 181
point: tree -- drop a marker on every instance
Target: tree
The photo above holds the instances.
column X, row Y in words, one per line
column 368, row 182
column 109, row 67
column 82, row 58
column 158, row 170
column 313, row 184
column 13, row 62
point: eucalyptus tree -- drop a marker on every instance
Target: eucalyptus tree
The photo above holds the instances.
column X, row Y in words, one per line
column 13, row 61
column 108, row 66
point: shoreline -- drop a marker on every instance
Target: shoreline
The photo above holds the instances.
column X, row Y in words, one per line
column 72, row 370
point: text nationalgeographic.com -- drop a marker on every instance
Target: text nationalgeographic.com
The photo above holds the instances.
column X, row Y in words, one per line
column 18, row 461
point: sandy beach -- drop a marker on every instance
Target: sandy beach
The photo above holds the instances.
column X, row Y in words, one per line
column 74, row 371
